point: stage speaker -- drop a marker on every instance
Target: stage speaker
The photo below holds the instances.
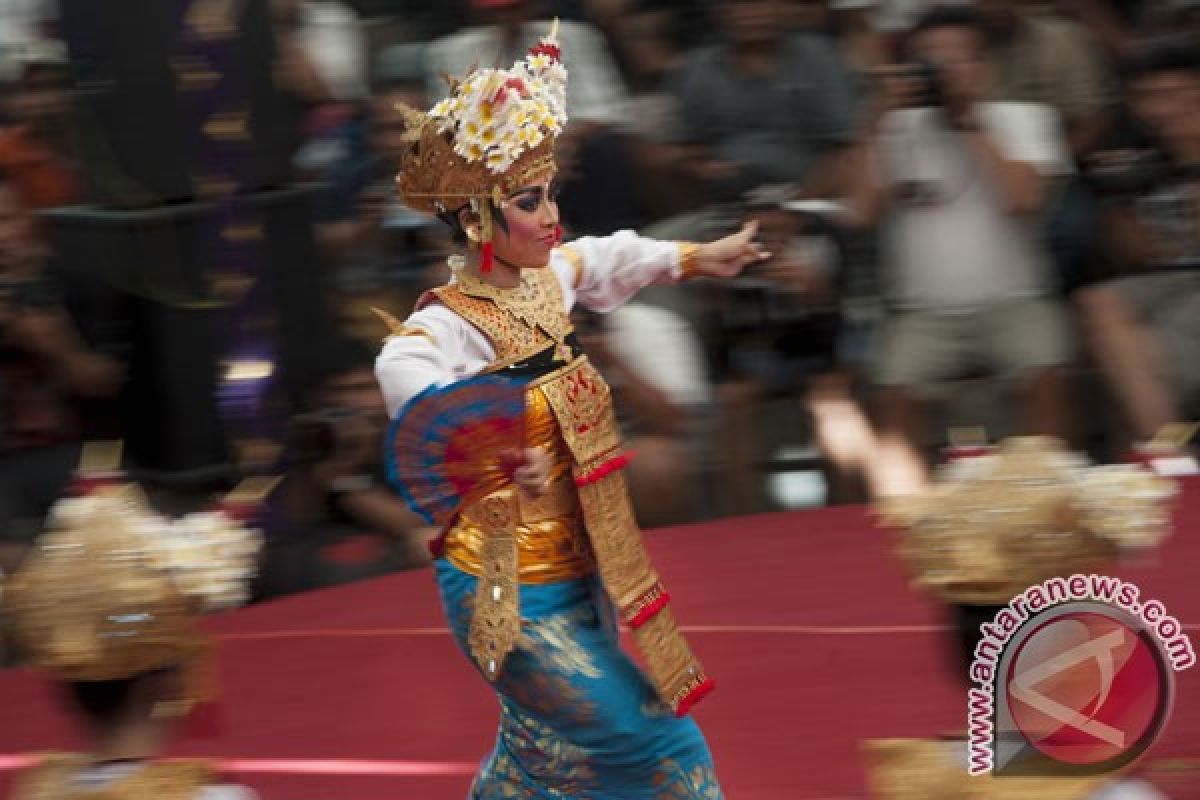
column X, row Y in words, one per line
column 146, row 89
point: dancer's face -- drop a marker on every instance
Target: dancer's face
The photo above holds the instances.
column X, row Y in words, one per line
column 531, row 213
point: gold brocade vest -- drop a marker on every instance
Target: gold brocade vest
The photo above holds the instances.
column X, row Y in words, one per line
column 584, row 517
column 551, row 542
column 52, row 779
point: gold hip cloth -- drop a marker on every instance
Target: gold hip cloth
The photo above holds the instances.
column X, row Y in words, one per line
column 585, row 517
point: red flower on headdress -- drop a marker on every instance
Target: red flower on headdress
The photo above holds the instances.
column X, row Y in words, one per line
column 502, row 93
column 545, row 48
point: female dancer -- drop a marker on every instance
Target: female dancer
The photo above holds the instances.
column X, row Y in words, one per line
column 529, row 568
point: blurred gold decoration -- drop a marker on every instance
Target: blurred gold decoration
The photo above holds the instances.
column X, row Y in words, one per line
column 229, row 126
column 154, row 779
column 930, row 769
column 215, row 186
column 248, row 369
column 993, row 525
column 212, row 19
column 257, row 454
column 101, row 457
column 229, row 288
column 1173, row 437
column 194, row 74
column 253, row 490
column 239, row 234
column 113, row 589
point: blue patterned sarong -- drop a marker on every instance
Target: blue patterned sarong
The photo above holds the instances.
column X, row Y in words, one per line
column 577, row 718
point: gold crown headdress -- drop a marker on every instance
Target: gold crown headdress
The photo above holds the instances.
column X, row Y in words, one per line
column 113, row 589
column 492, row 135
column 995, row 524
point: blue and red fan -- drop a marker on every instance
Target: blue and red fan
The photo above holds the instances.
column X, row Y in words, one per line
column 448, row 440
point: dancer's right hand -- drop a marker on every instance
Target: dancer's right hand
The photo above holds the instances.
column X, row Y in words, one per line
column 532, row 471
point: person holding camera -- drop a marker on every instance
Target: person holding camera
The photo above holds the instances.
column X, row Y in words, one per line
column 51, row 378
column 1143, row 327
column 957, row 184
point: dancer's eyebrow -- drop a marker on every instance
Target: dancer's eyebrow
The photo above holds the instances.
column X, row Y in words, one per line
column 536, row 191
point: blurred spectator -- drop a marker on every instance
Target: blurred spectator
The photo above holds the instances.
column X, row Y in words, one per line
column 897, row 17
column 1040, row 56
column 807, row 16
column 362, row 187
column 340, row 521
column 384, row 252
column 762, row 106
column 35, row 148
column 779, row 325
column 647, row 37
column 49, row 372
column 1112, row 22
column 865, row 46
column 23, row 23
column 1144, row 328
column 661, row 395
column 650, row 39
column 958, row 183
column 591, row 154
column 322, row 51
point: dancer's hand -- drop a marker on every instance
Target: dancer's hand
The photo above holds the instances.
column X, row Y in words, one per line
column 532, row 471
column 727, row 257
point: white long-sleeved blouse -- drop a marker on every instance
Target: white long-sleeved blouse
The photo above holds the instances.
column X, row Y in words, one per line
column 600, row 273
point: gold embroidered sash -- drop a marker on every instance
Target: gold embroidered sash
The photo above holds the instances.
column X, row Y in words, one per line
column 582, row 401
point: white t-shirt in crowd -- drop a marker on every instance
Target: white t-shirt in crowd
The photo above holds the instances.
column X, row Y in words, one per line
column 948, row 241
column 662, row 349
column 333, row 38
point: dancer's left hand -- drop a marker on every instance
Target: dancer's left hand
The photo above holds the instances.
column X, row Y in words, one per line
column 727, row 257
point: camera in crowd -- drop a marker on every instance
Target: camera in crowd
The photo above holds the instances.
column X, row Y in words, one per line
column 928, row 83
column 316, row 436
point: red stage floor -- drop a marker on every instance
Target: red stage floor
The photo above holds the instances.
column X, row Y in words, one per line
column 804, row 619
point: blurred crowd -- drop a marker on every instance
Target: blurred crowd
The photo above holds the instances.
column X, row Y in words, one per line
column 984, row 215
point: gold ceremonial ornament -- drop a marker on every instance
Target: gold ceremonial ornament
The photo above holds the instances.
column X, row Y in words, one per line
column 113, row 589
column 995, row 524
